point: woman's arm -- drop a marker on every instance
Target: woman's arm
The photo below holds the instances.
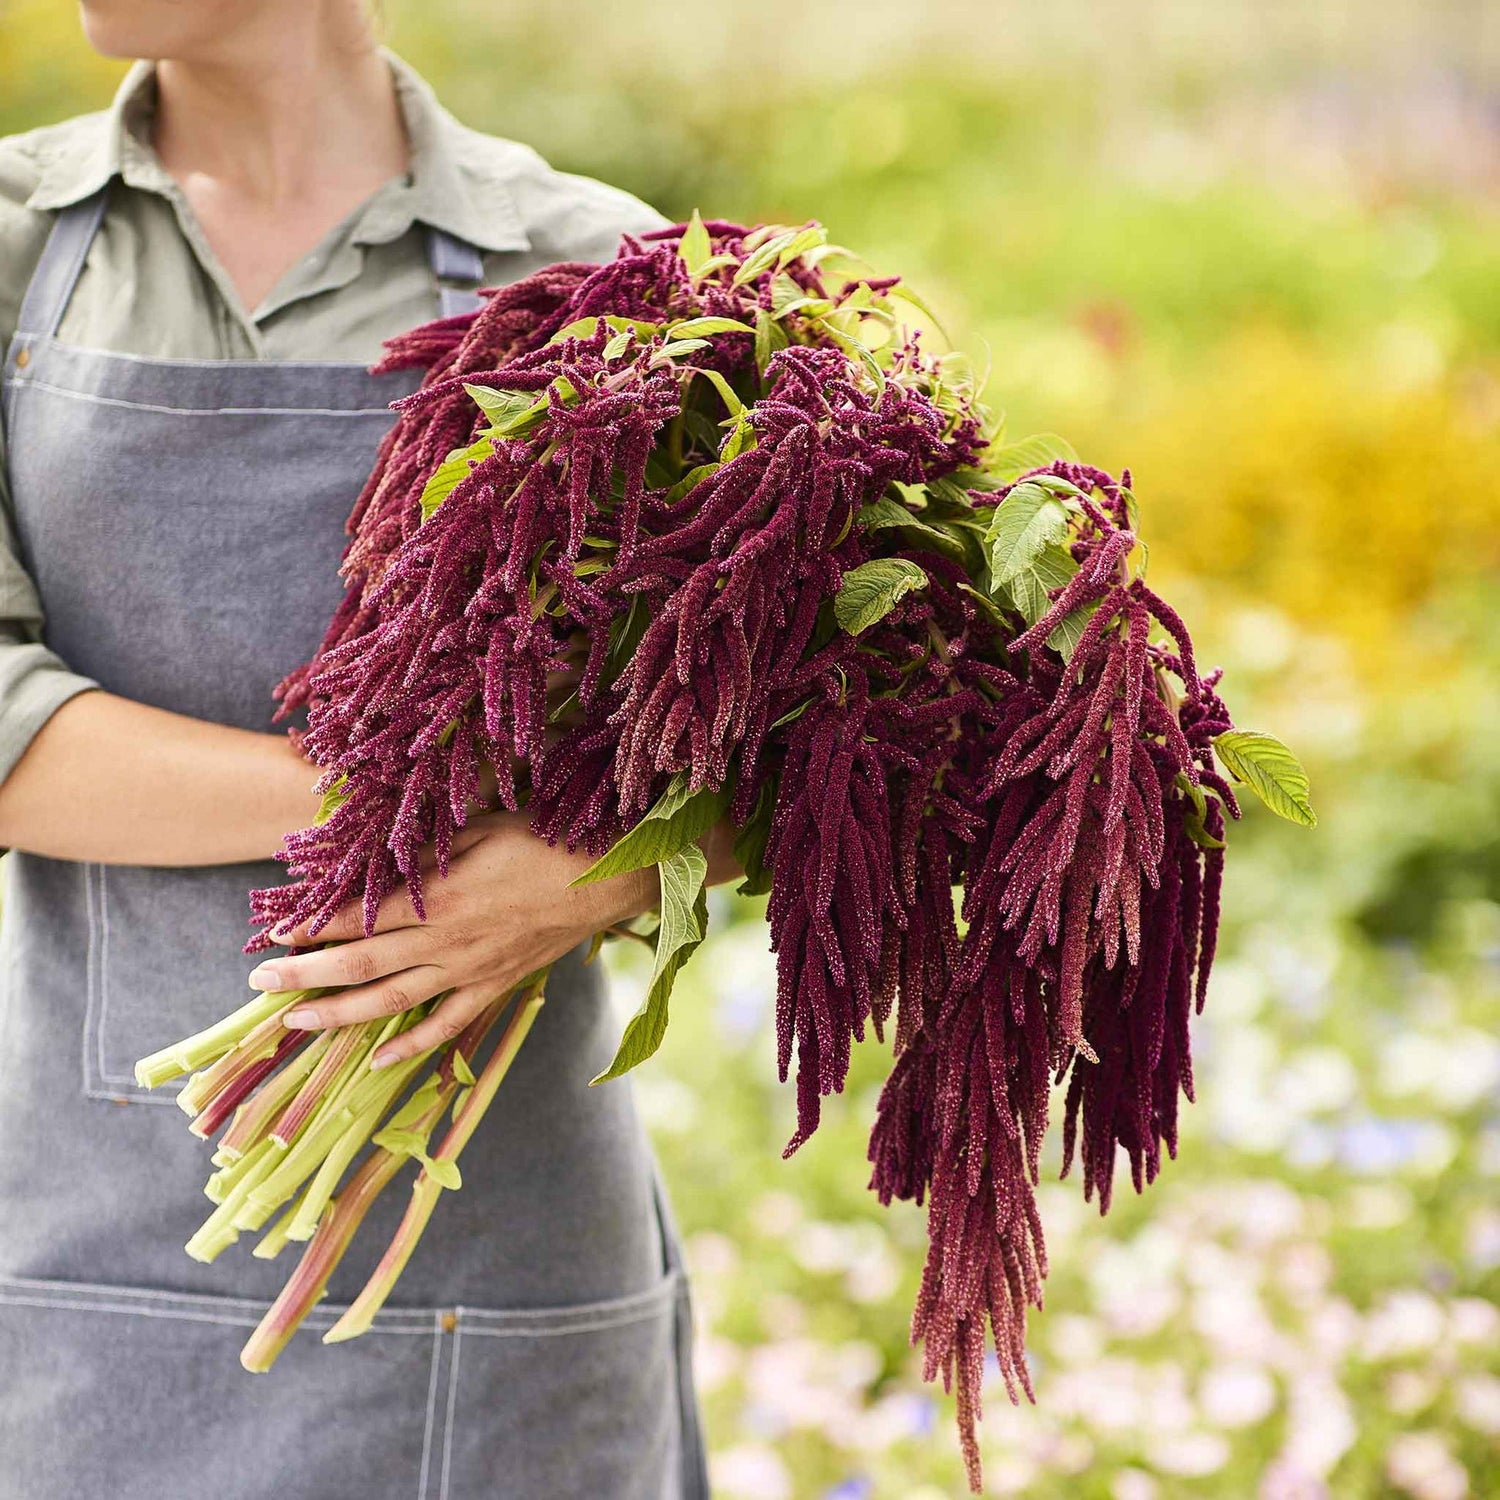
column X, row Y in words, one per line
column 118, row 782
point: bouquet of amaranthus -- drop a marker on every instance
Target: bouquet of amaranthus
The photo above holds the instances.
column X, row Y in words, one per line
column 707, row 532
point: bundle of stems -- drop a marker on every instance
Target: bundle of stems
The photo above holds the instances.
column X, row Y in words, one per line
column 300, row 1107
column 707, row 532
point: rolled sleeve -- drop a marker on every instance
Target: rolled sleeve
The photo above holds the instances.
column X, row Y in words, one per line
column 34, row 680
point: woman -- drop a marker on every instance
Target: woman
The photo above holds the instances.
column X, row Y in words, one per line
column 191, row 287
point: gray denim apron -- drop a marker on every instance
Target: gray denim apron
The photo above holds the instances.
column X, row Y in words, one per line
column 183, row 520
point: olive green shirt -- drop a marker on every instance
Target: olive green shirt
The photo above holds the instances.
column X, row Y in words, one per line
column 152, row 286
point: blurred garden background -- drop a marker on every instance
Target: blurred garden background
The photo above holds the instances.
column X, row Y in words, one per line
column 1251, row 250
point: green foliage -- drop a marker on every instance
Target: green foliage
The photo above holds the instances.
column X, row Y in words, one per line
column 1270, row 770
column 873, row 589
column 679, row 817
column 684, row 924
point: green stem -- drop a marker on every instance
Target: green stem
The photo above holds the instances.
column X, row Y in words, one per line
column 361, row 1313
column 206, row 1047
column 253, row 1119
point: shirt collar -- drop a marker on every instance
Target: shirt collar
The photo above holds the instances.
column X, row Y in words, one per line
column 459, row 180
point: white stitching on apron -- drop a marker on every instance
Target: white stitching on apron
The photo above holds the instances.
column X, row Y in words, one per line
column 458, row 1334
column 207, row 411
column 432, row 1390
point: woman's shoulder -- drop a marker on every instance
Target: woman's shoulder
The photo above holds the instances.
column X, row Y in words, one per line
column 28, row 163
column 563, row 215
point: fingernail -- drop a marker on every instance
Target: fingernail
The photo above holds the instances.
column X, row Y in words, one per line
column 265, row 978
column 300, row 1020
column 381, row 1060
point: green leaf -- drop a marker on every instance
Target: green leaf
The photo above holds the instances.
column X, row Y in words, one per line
column 1197, row 812
column 801, row 242
column 770, row 337
column 751, row 840
column 695, row 247
column 680, row 346
column 1051, row 568
column 452, row 472
column 702, row 328
column 763, row 257
column 443, row 1171
column 333, row 799
column 618, row 344
column 1024, row 523
column 987, row 606
column 684, row 921
column 1037, row 452
column 690, row 481
column 906, row 294
column 679, row 818
column 511, row 413
column 855, row 347
column 1068, row 631
column 579, row 328
column 1270, row 770
column 886, row 513
column 461, row 1069
column 723, row 387
column 741, row 437
column 871, row 591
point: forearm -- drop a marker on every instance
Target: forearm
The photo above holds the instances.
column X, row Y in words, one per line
column 118, row 782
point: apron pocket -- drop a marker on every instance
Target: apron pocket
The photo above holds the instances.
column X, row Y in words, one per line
column 139, row 1395
column 583, row 1401
column 163, row 961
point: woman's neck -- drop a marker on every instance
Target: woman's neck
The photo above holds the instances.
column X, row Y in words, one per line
column 276, row 139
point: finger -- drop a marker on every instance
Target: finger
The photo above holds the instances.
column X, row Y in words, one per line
column 339, row 964
column 447, row 1020
column 369, row 1002
column 395, row 911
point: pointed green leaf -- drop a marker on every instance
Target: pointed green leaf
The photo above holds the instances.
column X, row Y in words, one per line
column 1270, row 770
column 1197, row 812
column 452, row 472
column 695, row 247
column 461, row 1069
column 763, row 257
column 725, row 390
column 684, row 921
column 1037, row 452
column 1024, row 523
column 333, row 799
column 873, row 589
column 680, row 346
column 1051, row 568
column 443, row 1171
column 618, row 344
column 702, row 328
column 770, row 337
column 680, row 817
column 1068, row 631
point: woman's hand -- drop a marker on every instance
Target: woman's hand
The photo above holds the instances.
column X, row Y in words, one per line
column 505, row 910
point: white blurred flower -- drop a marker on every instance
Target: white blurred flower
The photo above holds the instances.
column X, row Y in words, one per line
column 821, row 1247
column 1331, row 1328
column 776, row 1214
column 715, row 1360
column 1008, row 1473
column 1132, row 1484
column 1283, row 1480
column 1409, row 1391
column 1472, row 1320
column 667, row 1105
column 1320, row 1424
column 1303, row 1271
column 1192, row 1455
column 1074, row 1339
column 891, row 1419
column 750, row 1471
column 1236, row 1395
column 1316, row 1080
column 782, row 1316
column 1404, row 1322
column 1455, row 1071
column 1421, row 1464
column 1477, row 1398
column 1134, row 1283
column 1482, row 1239
column 710, row 1254
column 1376, row 1205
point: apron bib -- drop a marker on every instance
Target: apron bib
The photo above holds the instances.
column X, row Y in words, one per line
column 182, row 520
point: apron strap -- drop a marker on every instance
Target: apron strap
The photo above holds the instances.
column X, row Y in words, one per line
column 453, row 259
column 57, row 271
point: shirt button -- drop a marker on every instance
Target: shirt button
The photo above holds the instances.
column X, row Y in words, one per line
column 23, row 358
